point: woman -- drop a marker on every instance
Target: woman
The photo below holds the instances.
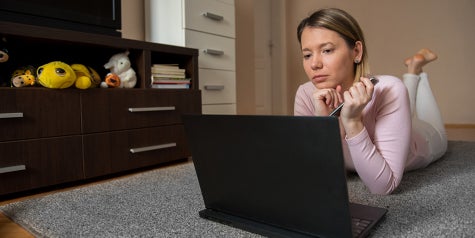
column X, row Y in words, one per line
column 387, row 128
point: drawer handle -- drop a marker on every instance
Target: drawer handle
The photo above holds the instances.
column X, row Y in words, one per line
column 213, row 52
column 213, row 16
column 151, row 109
column 11, row 115
column 214, row 87
column 153, row 147
column 10, row 169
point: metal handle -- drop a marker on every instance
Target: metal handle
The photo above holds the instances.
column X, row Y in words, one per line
column 214, row 87
column 11, row 115
column 151, row 109
column 153, row 147
column 14, row 168
column 213, row 16
column 213, row 52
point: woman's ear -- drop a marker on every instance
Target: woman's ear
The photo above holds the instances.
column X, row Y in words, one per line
column 358, row 51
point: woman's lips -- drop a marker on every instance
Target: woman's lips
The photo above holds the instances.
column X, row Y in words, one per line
column 319, row 78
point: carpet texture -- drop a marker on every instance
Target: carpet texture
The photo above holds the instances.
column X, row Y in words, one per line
column 433, row 202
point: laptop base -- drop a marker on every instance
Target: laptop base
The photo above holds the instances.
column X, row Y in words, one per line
column 359, row 211
column 249, row 225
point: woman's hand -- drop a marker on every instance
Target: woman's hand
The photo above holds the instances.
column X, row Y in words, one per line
column 356, row 99
column 326, row 100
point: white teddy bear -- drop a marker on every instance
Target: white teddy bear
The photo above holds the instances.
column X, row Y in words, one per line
column 119, row 64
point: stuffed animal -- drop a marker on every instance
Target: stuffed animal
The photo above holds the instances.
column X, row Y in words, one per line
column 112, row 80
column 24, row 76
column 120, row 65
column 86, row 77
column 56, row 74
column 3, row 53
column 4, row 56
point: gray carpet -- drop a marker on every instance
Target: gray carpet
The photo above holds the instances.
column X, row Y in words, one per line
column 434, row 202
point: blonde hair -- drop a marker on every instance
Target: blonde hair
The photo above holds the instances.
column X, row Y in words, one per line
column 346, row 26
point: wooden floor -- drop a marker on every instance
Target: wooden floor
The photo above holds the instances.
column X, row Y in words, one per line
column 12, row 230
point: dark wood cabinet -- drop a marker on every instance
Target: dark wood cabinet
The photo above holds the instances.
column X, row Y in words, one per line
column 106, row 110
column 28, row 164
column 28, row 113
column 106, row 153
column 54, row 136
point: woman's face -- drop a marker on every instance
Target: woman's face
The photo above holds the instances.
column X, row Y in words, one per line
column 327, row 59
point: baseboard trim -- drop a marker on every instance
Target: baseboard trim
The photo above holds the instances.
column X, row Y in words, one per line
column 460, row 126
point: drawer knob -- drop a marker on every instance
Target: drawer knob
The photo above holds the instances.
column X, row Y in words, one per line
column 11, row 115
column 214, row 87
column 151, row 109
column 14, row 168
column 213, row 52
column 150, row 148
column 213, row 16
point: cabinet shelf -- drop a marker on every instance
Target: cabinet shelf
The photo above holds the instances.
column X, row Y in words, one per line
column 56, row 136
column 35, row 45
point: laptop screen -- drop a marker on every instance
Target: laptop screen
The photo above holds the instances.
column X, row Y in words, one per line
column 283, row 171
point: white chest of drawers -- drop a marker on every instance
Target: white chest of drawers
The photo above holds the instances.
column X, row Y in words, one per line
column 207, row 25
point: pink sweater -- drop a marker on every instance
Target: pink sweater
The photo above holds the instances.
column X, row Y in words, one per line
column 380, row 153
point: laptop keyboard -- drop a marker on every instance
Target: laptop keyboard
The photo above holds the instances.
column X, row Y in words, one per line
column 359, row 225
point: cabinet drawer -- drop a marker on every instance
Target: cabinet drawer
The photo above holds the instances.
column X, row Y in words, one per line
column 119, row 109
column 216, row 52
column 38, row 112
column 30, row 164
column 219, row 109
column 218, row 86
column 106, row 153
column 211, row 16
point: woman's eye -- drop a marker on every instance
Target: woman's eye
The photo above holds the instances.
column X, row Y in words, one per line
column 327, row 51
column 306, row 56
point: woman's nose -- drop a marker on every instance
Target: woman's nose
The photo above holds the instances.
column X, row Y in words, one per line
column 316, row 63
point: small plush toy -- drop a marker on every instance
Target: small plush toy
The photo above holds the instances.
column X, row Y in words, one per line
column 4, row 56
column 112, row 80
column 120, row 65
column 56, row 74
column 86, row 77
column 24, row 76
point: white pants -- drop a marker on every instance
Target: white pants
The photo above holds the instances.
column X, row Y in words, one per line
column 426, row 118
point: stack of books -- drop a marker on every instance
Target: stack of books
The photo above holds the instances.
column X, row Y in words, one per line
column 169, row 76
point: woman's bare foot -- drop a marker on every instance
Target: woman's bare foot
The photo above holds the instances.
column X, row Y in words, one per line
column 422, row 57
column 429, row 56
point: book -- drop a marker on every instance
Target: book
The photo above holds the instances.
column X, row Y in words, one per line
column 167, row 66
column 171, row 86
column 168, row 71
column 170, row 80
column 171, row 71
column 169, row 76
column 159, row 75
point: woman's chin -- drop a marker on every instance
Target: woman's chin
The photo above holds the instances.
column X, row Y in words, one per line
column 322, row 85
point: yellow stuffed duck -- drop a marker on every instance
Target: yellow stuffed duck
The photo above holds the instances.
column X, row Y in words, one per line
column 60, row 75
column 87, row 77
column 56, row 74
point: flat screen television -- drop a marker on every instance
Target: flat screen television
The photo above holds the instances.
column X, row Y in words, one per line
column 94, row 16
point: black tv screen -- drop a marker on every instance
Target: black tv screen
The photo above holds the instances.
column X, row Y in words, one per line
column 95, row 16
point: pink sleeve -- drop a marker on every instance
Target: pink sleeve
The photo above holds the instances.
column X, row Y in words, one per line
column 380, row 151
column 303, row 104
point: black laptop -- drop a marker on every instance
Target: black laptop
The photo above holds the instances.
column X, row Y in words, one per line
column 278, row 176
